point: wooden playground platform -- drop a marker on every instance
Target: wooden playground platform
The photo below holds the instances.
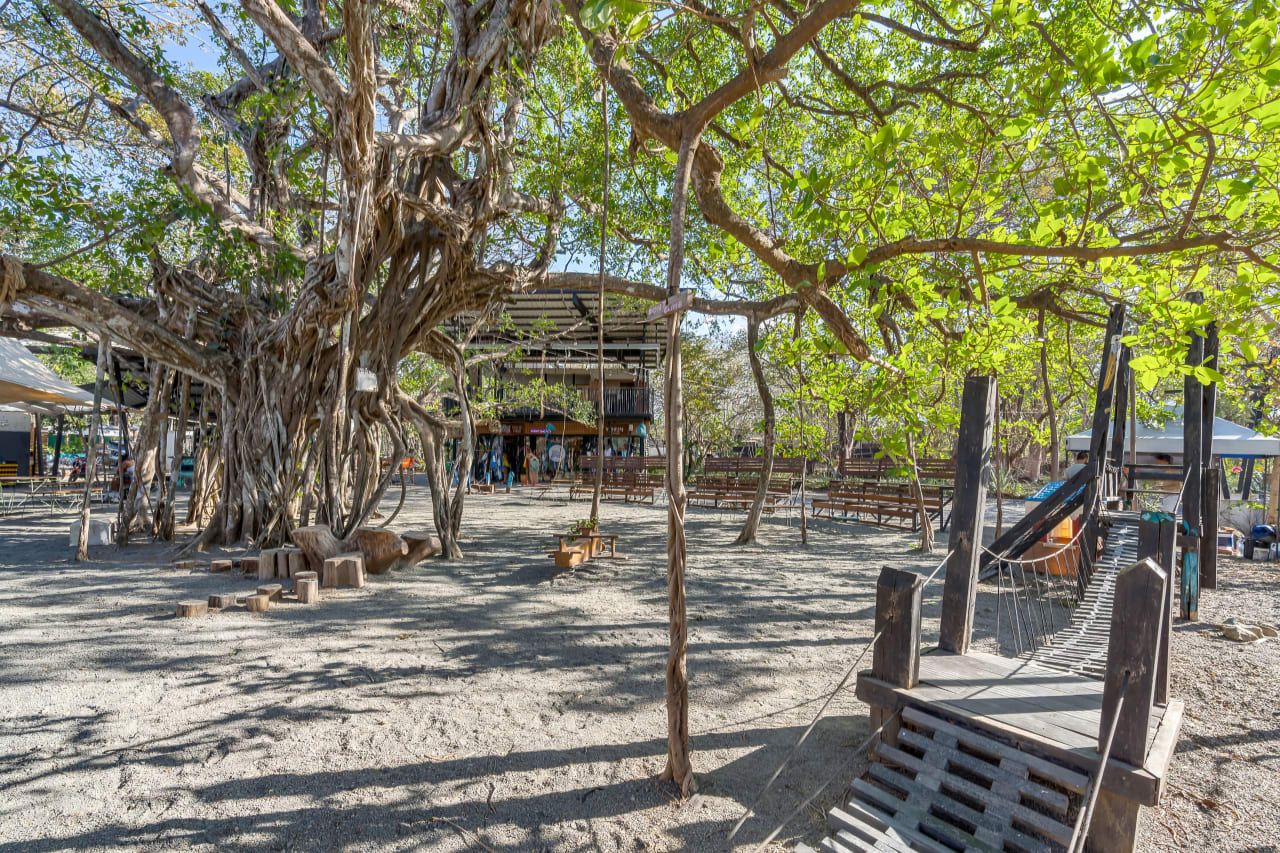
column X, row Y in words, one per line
column 1059, row 747
column 1051, row 713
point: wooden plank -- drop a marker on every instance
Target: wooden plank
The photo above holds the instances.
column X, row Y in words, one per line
column 1067, row 778
column 1135, row 643
column 881, row 831
column 998, row 774
column 1211, row 482
column 896, row 658
column 973, row 453
column 909, row 814
column 924, row 792
column 1122, row 778
column 994, row 806
column 1192, row 466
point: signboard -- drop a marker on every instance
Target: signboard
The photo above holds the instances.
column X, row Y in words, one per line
column 680, row 302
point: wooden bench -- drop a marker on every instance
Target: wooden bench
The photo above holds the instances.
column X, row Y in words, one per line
column 576, row 548
column 713, row 492
column 884, row 504
column 628, row 487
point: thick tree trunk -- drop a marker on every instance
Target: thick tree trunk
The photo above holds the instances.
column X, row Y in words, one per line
column 752, row 525
column 679, row 767
column 138, row 509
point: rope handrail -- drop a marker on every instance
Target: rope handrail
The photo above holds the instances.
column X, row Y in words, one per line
column 1085, row 817
column 822, row 710
column 842, row 769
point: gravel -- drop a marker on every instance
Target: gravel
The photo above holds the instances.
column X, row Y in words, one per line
column 490, row 704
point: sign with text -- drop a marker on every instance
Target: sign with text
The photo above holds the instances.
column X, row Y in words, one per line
column 680, row 302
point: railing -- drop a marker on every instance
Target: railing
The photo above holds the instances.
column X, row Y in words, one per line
column 623, row 401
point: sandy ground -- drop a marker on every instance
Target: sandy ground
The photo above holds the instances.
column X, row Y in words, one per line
column 477, row 705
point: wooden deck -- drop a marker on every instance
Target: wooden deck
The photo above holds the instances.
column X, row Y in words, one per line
column 1048, row 711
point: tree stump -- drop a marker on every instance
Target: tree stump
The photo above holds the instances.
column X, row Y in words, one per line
column 297, row 561
column 192, row 608
column 318, row 543
column 353, row 569
column 249, row 565
column 308, row 589
column 381, row 548
column 421, row 545
column 220, row 566
column 185, row 565
column 267, row 564
column 272, row 590
column 257, row 603
column 222, row 600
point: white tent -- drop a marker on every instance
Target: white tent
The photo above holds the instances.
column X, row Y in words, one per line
column 28, row 385
column 1229, row 439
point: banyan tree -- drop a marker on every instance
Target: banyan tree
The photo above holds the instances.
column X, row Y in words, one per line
column 376, row 148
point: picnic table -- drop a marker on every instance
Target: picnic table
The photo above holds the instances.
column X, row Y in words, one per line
column 16, row 493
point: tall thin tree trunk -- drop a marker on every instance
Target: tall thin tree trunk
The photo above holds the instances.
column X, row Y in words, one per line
column 91, row 450
column 751, row 526
column 1054, row 454
column 679, row 767
column 926, row 526
column 180, row 445
column 200, row 462
column 122, row 529
column 604, row 238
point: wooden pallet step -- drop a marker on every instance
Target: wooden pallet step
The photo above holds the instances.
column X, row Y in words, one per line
column 998, row 750
column 867, row 823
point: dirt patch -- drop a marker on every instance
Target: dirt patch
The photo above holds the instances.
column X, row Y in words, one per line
column 459, row 706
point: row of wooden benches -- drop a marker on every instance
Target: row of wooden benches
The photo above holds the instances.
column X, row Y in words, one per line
column 885, row 504
column 931, row 468
column 625, row 486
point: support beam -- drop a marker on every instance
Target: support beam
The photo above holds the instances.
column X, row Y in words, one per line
column 1099, row 451
column 1132, row 648
column 897, row 654
column 1211, row 480
column 973, row 454
column 1156, row 538
column 1192, row 467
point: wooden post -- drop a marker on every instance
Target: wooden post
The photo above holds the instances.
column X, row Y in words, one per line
column 1132, row 648
column 973, row 453
column 91, row 450
column 57, row 445
column 1192, row 493
column 896, row 658
column 1211, row 480
column 1156, row 535
column 1120, row 410
column 1104, row 403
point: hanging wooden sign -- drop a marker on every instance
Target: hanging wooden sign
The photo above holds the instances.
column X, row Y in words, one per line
column 679, row 302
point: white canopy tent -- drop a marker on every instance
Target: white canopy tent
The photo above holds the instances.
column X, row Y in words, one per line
column 1229, row 439
column 28, row 385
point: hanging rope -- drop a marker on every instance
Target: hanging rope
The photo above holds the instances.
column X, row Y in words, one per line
column 818, row 716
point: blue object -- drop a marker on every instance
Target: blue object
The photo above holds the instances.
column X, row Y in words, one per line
column 1263, row 534
column 1047, row 490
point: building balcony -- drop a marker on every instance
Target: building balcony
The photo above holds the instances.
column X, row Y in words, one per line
column 623, row 402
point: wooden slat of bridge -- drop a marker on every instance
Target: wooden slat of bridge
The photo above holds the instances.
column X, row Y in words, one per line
column 1056, row 713
column 1081, row 646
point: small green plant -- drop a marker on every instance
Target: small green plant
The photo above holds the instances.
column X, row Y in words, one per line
column 584, row 525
